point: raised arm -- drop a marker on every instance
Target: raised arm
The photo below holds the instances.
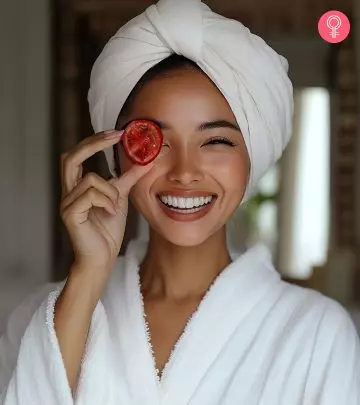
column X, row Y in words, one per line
column 68, row 337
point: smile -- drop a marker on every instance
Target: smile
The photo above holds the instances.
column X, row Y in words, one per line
column 185, row 202
column 184, row 208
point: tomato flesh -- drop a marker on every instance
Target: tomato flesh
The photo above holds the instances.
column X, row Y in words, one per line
column 142, row 141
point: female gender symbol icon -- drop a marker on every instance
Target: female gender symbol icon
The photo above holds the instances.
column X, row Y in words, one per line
column 339, row 26
column 334, row 28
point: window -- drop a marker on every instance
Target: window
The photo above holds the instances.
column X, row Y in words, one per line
column 290, row 214
column 308, row 172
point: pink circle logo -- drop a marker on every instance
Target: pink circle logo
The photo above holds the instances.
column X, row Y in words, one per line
column 334, row 26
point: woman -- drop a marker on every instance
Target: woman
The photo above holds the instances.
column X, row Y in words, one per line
column 178, row 320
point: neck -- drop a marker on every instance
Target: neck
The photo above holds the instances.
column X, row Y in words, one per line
column 181, row 272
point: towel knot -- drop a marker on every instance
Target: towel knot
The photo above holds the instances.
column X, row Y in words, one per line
column 179, row 23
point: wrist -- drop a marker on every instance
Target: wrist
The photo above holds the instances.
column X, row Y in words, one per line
column 87, row 281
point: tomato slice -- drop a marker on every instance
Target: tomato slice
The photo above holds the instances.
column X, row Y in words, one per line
column 142, row 141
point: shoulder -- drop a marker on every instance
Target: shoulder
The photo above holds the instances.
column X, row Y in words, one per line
column 328, row 316
column 21, row 316
column 326, row 337
column 15, row 327
column 298, row 303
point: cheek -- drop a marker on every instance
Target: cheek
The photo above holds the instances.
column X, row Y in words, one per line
column 230, row 170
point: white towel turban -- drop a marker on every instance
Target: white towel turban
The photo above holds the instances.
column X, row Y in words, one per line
column 250, row 74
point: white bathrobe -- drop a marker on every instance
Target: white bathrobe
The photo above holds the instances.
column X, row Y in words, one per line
column 254, row 340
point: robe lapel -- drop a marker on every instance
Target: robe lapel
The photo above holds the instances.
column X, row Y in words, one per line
column 134, row 355
column 232, row 297
column 141, row 362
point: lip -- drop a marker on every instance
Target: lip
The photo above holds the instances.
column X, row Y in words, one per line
column 183, row 217
column 187, row 193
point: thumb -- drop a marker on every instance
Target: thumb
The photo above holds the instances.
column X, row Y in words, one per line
column 125, row 182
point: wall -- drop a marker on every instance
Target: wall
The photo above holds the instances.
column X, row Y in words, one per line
column 25, row 233
column 355, row 310
column 356, row 33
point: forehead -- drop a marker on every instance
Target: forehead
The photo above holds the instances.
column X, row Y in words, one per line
column 186, row 94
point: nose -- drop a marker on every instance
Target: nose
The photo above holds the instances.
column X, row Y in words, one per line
column 185, row 168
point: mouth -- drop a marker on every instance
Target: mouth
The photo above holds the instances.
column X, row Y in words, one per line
column 185, row 207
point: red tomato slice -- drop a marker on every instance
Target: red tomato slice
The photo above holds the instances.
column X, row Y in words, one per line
column 142, row 141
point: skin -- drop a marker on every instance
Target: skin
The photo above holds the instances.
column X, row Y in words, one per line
column 173, row 278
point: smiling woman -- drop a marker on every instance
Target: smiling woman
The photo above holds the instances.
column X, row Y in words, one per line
column 180, row 319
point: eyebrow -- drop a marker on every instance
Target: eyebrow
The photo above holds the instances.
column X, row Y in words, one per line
column 202, row 127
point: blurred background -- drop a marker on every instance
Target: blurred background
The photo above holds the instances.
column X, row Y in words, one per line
column 308, row 206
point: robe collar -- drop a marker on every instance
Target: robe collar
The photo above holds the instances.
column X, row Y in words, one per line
column 235, row 292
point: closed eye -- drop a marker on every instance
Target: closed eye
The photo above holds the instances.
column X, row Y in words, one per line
column 217, row 141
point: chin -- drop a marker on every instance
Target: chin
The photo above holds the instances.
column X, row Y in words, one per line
column 185, row 236
column 184, row 228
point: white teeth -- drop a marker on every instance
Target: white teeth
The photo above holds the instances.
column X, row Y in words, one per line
column 185, row 202
column 181, row 203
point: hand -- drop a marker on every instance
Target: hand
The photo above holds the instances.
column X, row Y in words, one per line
column 94, row 210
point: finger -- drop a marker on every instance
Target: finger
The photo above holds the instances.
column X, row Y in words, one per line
column 79, row 209
column 73, row 161
column 93, row 144
column 91, row 180
column 126, row 182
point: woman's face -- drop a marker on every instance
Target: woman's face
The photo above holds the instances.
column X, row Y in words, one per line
column 200, row 176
